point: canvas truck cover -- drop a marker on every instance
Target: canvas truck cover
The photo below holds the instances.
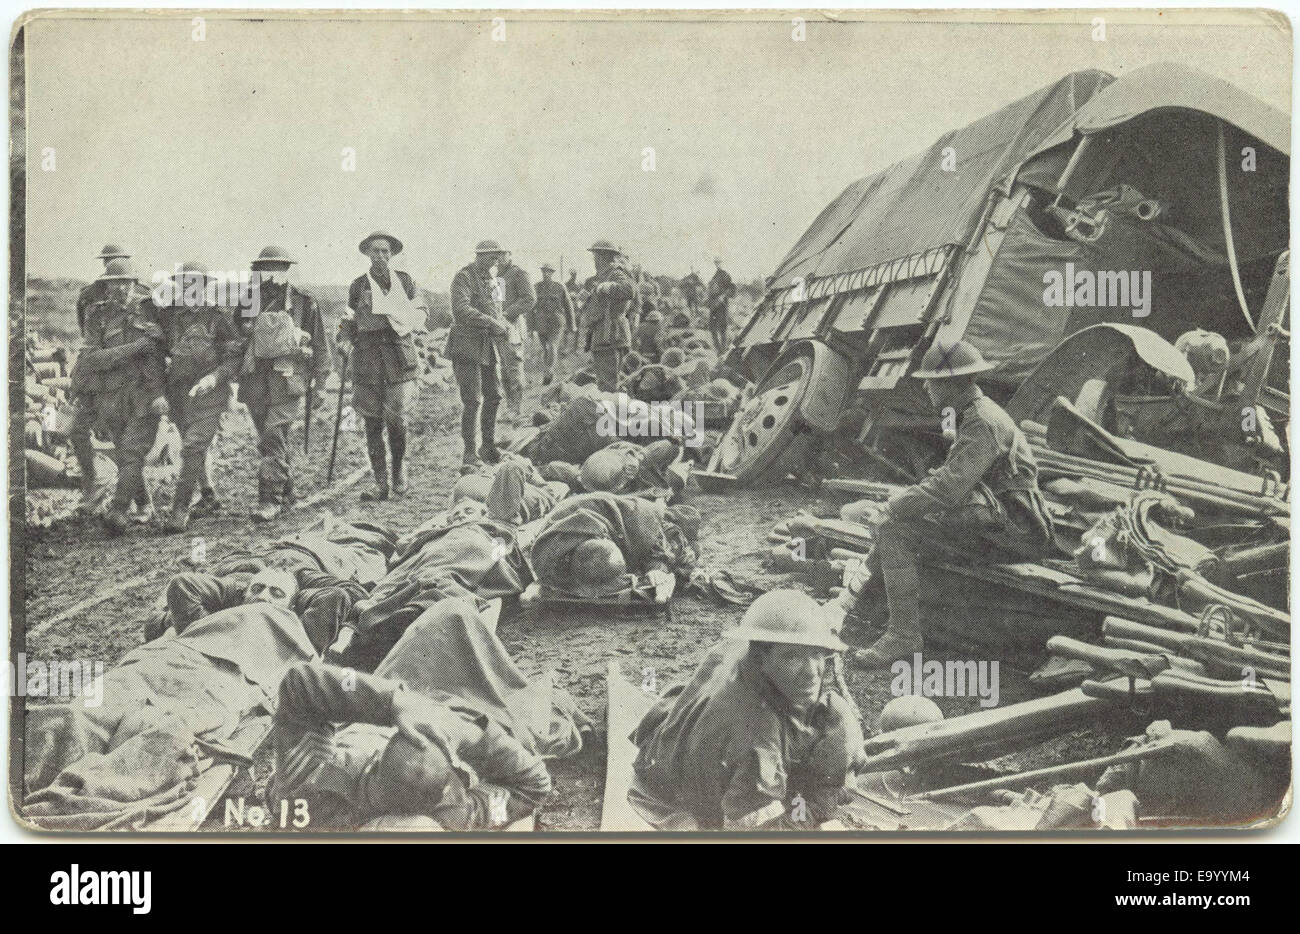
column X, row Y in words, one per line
column 1168, row 85
column 915, row 205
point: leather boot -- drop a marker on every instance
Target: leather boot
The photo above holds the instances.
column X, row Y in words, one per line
column 178, row 520
column 116, row 520
column 399, row 479
column 902, row 637
column 208, row 504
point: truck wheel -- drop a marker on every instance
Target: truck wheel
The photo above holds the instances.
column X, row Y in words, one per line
column 769, row 432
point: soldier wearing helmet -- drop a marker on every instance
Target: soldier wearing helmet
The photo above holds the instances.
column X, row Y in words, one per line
column 118, row 383
column 284, row 339
column 983, row 501
column 96, row 290
column 207, row 353
column 478, row 323
column 79, row 431
column 607, row 313
column 692, row 288
column 380, row 323
column 763, row 736
column 721, row 291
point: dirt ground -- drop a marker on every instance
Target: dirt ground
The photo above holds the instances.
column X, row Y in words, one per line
column 71, row 562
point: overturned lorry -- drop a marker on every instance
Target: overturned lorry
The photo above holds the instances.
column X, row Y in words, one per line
column 1119, row 242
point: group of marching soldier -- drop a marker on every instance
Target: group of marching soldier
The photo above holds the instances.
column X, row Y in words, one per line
column 176, row 350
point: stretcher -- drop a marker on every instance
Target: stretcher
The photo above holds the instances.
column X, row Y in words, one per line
column 627, row 706
column 222, row 764
column 640, row 597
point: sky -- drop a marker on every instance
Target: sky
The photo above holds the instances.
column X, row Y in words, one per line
column 209, row 150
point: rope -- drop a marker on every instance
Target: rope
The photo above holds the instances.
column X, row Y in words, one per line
column 1227, row 228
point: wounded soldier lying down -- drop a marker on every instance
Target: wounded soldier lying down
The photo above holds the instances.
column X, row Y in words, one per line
column 470, row 553
column 328, row 573
column 590, row 543
column 359, row 747
column 167, row 705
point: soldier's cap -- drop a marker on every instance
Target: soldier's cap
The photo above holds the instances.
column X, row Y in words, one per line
column 546, row 266
column 192, row 268
column 604, row 246
column 789, row 617
column 393, row 242
column 118, row 269
column 718, row 260
column 959, row 359
column 273, row 256
column 113, row 251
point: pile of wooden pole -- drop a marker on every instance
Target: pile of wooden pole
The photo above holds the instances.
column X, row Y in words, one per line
column 1192, row 491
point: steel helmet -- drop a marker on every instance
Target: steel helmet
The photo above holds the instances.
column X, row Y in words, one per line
column 393, row 242
column 488, row 246
column 192, row 268
column 653, row 317
column 597, row 563
column 415, row 777
column 113, row 251
column 272, row 256
column 959, row 359
column 119, row 268
column 546, row 266
column 673, row 357
column 610, row 469
column 604, row 246
column 790, row 617
column 908, row 710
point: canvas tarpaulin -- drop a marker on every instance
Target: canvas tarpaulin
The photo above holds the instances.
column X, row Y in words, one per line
column 915, row 205
column 1156, row 130
column 134, row 756
column 1165, row 85
column 453, row 657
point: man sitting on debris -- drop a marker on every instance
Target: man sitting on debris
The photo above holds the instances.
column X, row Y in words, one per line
column 590, row 543
column 407, row 747
column 984, row 500
column 762, row 738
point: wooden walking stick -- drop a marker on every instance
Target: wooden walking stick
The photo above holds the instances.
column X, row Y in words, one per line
column 338, row 421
